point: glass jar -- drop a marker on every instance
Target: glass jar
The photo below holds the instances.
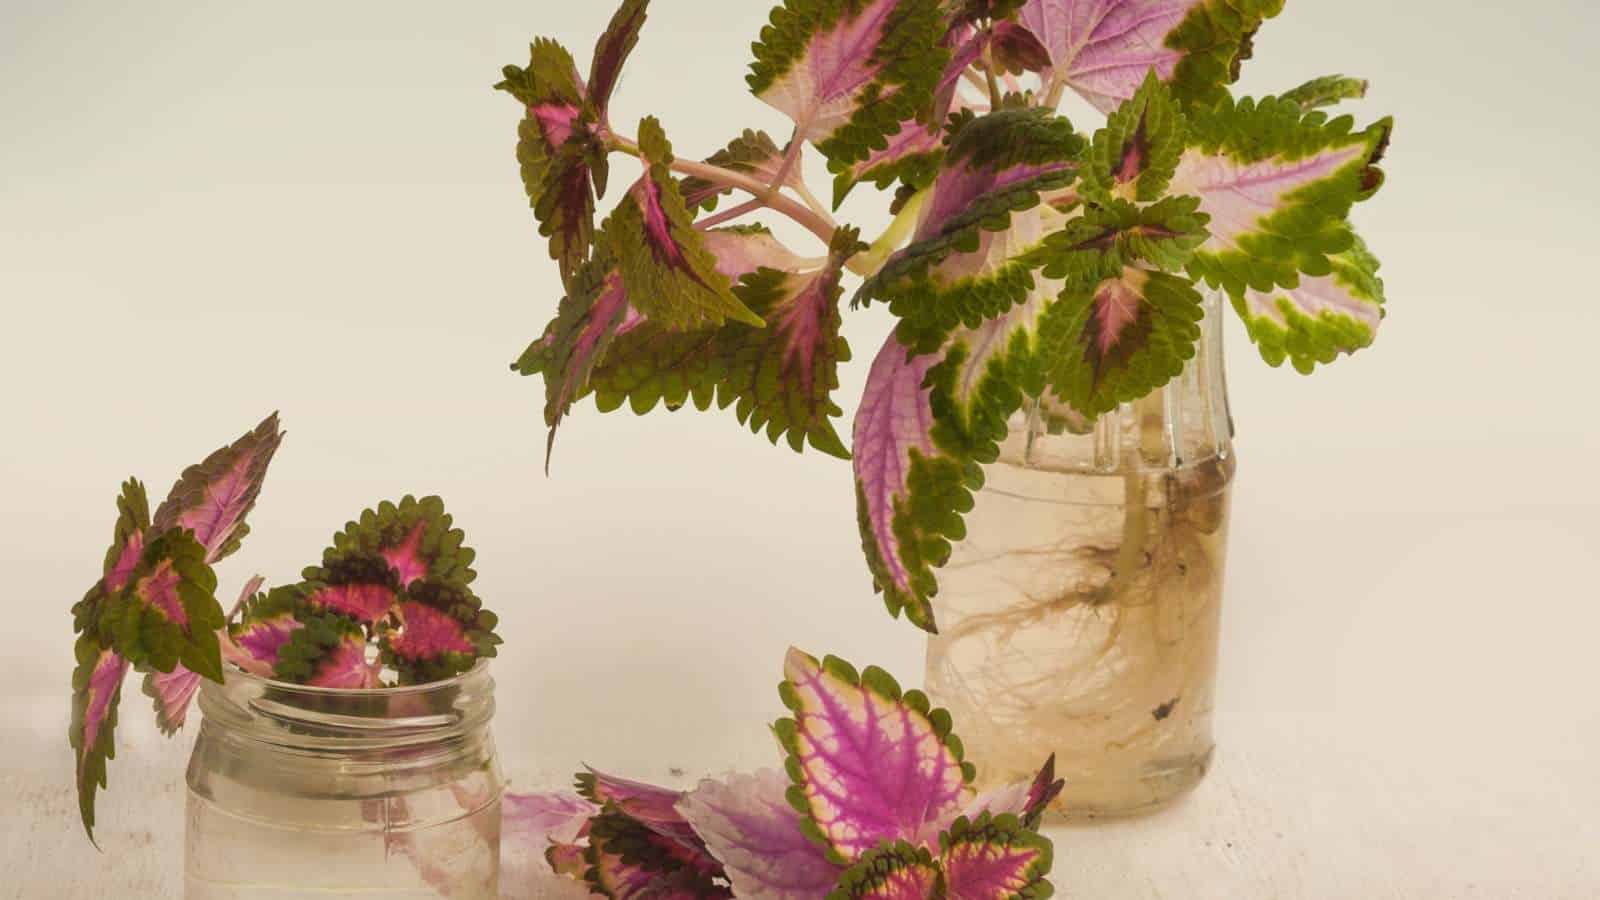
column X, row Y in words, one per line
column 299, row 792
column 1081, row 614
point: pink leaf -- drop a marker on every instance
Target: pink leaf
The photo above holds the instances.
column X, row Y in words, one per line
column 172, row 692
column 535, row 820
column 749, row 826
column 265, row 624
column 428, row 633
column 742, row 251
column 1104, row 48
column 406, row 558
column 346, row 666
column 366, row 603
column 127, row 560
column 870, row 763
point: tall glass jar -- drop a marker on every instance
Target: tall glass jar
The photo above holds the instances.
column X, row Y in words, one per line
column 1080, row 616
column 300, row 792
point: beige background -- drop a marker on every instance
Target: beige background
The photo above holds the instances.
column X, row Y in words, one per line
column 209, row 211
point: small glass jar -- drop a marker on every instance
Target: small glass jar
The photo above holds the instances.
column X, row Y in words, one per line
column 300, row 792
column 1081, row 614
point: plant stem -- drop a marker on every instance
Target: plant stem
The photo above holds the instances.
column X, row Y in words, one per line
column 995, row 97
column 732, row 212
column 867, row 264
column 768, row 196
column 791, row 156
column 1052, row 96
column 1137, row 463
column 816, row 205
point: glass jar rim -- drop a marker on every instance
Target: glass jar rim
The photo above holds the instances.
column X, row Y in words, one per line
column 231, row 671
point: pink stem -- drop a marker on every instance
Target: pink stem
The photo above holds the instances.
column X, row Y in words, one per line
column 732, row 212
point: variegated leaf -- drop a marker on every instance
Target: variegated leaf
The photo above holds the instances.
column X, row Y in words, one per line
column 561, row 161
column 869, row 762
column 1278, row 184
column 628, row 861
column 611, row 51
column 213, row 498
column 926, row 425
column 652, row 806
column 1322, row 317
column 441, row 631
column 671, row 277
column 96, row 693
column 265, row 623
column 849, row 72
column 396, row 545
column 994, row 858
column 992, row 202
column 168, row 614
column 1115, row 341
column 895, row 871
column 779, row 378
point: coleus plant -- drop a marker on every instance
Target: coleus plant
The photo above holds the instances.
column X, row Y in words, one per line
column 874, row 801
column 390, row 603
column 1027, row 262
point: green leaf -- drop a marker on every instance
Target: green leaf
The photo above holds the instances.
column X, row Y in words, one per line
column 1104, row 240
column 551, row 76
column 1327, row 91
column 1136, row 154
column 562, row 162
column 669, row 274
column 1215, row 38
column 779, row 378
column 849, row 72
column 1118, row 340
column 413, row 539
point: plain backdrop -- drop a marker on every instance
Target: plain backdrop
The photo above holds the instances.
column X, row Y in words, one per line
column 209, row 211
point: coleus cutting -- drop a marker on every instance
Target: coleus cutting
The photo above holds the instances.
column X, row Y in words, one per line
column 874, row 802
column 1027, row 261
column 390, row 602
